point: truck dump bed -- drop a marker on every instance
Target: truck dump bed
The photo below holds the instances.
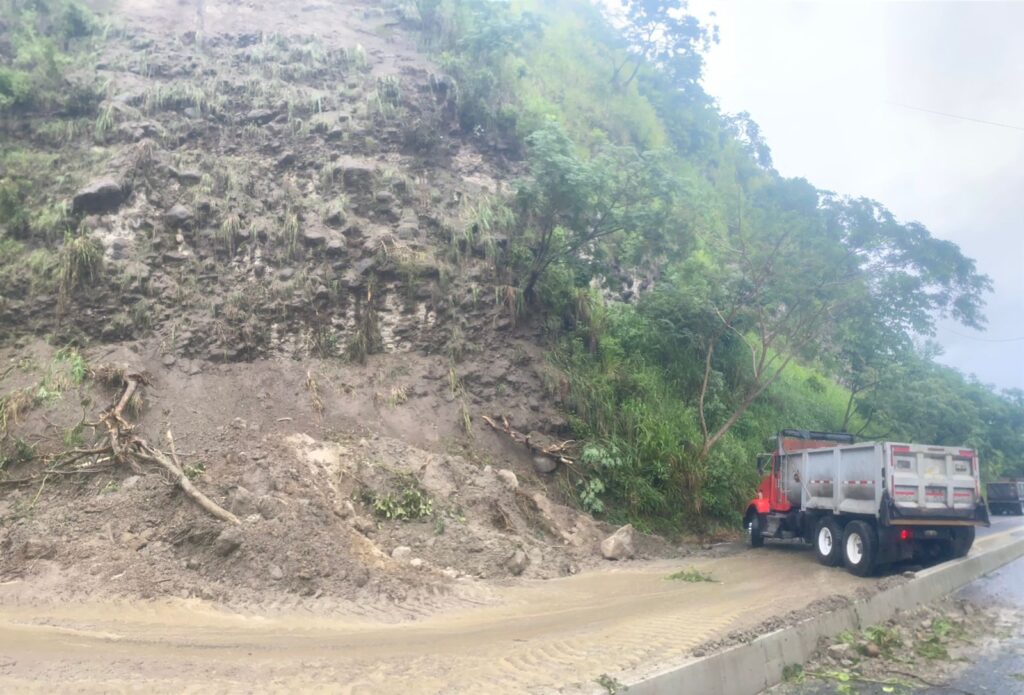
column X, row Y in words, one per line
column 898, row 482
column 1005, row 492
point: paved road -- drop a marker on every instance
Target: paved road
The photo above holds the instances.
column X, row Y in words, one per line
column 1001, row 668
column 1000, row 524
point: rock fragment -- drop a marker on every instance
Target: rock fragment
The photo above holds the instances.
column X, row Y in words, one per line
column 619, row 545
column 100, row 197
column 508, row 478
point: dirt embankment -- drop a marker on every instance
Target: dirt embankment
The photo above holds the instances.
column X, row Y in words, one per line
column 285, row 206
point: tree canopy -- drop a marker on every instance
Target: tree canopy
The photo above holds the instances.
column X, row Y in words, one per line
column 695, row 299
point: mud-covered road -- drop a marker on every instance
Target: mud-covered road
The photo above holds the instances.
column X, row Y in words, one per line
column 553, row 636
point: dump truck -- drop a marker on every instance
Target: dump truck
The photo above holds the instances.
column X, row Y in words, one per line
column 1005, row 498
column 867, row 504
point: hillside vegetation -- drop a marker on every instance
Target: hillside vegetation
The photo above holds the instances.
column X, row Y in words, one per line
column 697, row 300
column 690, row 300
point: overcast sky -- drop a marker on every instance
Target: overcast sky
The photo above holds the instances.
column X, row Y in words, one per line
column 824, row 80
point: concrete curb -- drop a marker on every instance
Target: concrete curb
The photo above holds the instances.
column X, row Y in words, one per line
column 748, row 669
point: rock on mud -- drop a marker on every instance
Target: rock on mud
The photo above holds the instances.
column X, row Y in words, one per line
column 402, row 552
column 518, row 563
column 544, row 464
column 260, row 116
column 509, row 478
column 358, row 179
column 229, row 540
column 37, row 549
column 619, row 545
column 99, row 197
column 241, row 502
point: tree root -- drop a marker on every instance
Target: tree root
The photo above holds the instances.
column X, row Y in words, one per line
column 122, row 447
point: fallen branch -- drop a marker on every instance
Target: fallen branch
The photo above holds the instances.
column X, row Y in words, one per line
column 122, row 446
column 554, row 451
column 146, row 452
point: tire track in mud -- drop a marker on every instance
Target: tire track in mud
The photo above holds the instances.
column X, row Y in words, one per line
column 554, row 636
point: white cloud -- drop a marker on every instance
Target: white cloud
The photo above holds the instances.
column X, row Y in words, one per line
column 823, row 80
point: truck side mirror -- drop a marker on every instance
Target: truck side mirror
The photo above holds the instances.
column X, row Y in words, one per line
column 763, row 463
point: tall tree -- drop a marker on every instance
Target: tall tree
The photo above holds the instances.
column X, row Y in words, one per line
column 811, row 275
column 660, row 33
column 572, row 207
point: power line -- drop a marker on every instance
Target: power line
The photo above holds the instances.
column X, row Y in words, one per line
column 953, row 115
column 988, row 340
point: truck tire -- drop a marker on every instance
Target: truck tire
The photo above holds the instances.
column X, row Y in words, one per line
column 756, row 531
column 828, row 541
column 1020, row 509
column 963, row 539
column 860, row 548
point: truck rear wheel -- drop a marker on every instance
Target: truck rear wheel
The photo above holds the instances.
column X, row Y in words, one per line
column 963, row 539
column 756, row 531
column 828, row 542
column 860, row 548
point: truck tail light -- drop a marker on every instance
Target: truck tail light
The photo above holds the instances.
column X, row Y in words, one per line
column 905, row 534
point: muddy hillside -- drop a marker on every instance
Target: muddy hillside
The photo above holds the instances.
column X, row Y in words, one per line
column 266, row 370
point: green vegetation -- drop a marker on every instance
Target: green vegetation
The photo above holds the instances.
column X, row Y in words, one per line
column 408, row 504
column 694, row 299
column 34, row 54
column 41, row 43
column 691, row 575
column 67, row 370
column 81, row 259
column 610, row 684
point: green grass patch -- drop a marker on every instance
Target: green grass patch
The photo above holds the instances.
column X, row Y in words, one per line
column 691, row 575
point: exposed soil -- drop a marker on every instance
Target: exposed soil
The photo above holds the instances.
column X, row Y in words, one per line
column 285, row 202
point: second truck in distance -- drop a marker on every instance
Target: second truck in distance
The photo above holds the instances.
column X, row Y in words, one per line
column 869, row 503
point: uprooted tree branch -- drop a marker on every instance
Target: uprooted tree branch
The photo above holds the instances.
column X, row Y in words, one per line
column 557, row 451
column 122, row 446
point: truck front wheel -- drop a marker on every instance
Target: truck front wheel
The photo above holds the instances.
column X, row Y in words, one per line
column 860, row 548
column 828, row 542
column 756, row 530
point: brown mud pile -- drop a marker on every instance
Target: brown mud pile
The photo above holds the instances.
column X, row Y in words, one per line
column 284, row 203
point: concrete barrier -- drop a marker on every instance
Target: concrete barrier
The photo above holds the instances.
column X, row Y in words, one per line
column 748, row 669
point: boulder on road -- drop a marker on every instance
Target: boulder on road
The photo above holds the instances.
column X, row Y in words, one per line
column 619, row 545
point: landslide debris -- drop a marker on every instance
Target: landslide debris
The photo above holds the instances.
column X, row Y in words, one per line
column 278, row 226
